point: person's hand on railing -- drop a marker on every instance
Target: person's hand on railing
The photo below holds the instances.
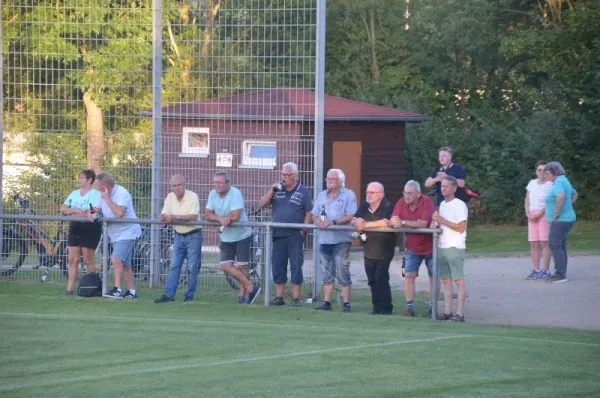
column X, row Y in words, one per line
column 395, row 222
column 166, row 218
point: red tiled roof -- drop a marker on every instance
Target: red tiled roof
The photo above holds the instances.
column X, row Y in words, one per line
column 284, row 104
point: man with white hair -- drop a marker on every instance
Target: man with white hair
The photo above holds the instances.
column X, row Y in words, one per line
column 292, row 203
column 414, row 210
column 182, row 205
column 117, row 203
column 335, row 205
column 378, row 247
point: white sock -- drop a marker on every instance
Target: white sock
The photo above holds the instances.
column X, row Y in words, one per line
column 132, row 291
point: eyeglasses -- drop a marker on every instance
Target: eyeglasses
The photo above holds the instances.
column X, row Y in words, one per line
column 287, row 175
column 540, row 170
column 220, row 182
column 409, row 193
column 372, row 192
column 331, row 179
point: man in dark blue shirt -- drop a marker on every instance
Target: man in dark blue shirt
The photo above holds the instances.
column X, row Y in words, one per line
column 292, row 203
column 447, row 168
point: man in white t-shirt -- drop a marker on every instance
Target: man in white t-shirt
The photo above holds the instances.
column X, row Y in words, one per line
column 116, row 202
column 538, row 228
column 452, row 218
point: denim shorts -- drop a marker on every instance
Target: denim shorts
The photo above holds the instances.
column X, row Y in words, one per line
column 413, row 262
column 335, row 259
column 239, row 251
column 123, row 250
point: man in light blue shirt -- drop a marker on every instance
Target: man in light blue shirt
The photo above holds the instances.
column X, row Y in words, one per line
column 335, row 206
column 226, row 205
column 116, row 202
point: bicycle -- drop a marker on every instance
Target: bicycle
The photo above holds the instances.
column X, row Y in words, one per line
column 256, row 252
column 26, row 236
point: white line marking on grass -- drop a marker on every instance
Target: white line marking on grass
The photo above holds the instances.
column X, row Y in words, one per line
column 135, row 372
column 295, row 325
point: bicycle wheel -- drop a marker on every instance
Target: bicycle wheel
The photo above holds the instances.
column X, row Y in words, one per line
column 14, row 251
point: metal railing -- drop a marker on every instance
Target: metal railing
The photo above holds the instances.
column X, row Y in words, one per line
column 268, row 226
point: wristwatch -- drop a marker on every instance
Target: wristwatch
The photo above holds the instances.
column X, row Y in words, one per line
column 334, row 222
column 177, row 218
column 403, row 223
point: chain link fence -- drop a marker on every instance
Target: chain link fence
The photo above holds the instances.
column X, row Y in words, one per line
column 145, row 90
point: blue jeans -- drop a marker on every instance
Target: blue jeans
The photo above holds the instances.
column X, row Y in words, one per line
column 185, row 248
column 557, row 240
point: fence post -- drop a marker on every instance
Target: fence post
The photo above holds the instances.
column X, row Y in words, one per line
column 436, row 278
column 268, row 250
column 105, row 256
column 155, row 234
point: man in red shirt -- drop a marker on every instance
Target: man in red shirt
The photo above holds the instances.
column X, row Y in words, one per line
column 415, row 211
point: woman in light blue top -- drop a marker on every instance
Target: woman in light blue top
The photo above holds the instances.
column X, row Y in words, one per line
column 83, row 236
column 561, row 216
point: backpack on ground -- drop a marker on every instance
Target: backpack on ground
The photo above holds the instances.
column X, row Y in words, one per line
column 90, row 285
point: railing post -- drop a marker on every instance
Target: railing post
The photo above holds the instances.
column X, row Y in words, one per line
column 436, row 277
column 105, row 256
column 268, row 252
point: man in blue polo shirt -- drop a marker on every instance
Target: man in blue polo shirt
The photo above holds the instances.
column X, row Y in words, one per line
column 292, row 203
column 447, row 168
column 335, row 206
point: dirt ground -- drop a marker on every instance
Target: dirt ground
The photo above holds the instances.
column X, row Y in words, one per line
column 499, row 294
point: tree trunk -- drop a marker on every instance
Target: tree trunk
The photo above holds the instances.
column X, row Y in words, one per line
column 212, row 9
column 95, row 132
column 374, row 62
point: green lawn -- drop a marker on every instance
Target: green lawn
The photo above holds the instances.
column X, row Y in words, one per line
column 512, row 239
column 66, row 346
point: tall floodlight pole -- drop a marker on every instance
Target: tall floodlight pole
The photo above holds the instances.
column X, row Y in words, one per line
column 319, row 130
column 156, row 139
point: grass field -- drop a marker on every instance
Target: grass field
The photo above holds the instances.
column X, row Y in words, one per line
column 65, row 346
column 512, row 239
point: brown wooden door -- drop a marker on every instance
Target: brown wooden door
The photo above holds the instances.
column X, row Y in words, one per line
column 347, row 156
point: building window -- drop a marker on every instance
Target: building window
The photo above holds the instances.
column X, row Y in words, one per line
column 195, row 142
column 259, row 154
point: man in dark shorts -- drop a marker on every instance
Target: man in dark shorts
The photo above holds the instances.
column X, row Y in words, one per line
column 292, row 203
column 447, row 168
column 226, row 205
column 378, row 247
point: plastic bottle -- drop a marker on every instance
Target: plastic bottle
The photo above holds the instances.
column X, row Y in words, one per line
column 45, row 275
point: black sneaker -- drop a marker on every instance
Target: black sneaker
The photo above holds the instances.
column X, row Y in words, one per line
column 277, row 301
column 457, row 318
column 114, row 293
column 68, row 293
column 446, row 317
column 556, row 278
column 255, row 292
column 188, row 299
column 128, row 295
column 346, row 308
column 164, row 299
column 409, row 312
column 296, row 303
column 325, row 307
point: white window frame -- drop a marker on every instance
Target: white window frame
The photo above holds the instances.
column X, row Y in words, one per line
column 257, row 163
column 188, row 151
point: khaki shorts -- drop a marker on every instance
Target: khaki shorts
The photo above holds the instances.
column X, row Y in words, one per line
column 451, row 263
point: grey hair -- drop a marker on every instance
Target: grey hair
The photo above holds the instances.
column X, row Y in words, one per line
column 224, row 174
column 340, row 175
column 106, row 178
column 178, row 177
column 555, row 168
column 292, row 166
column 414, row 184
column 446, row 149
column 452, row 181
column 379, row 185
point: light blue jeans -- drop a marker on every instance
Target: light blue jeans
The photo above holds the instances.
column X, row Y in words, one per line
column 185, row 248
